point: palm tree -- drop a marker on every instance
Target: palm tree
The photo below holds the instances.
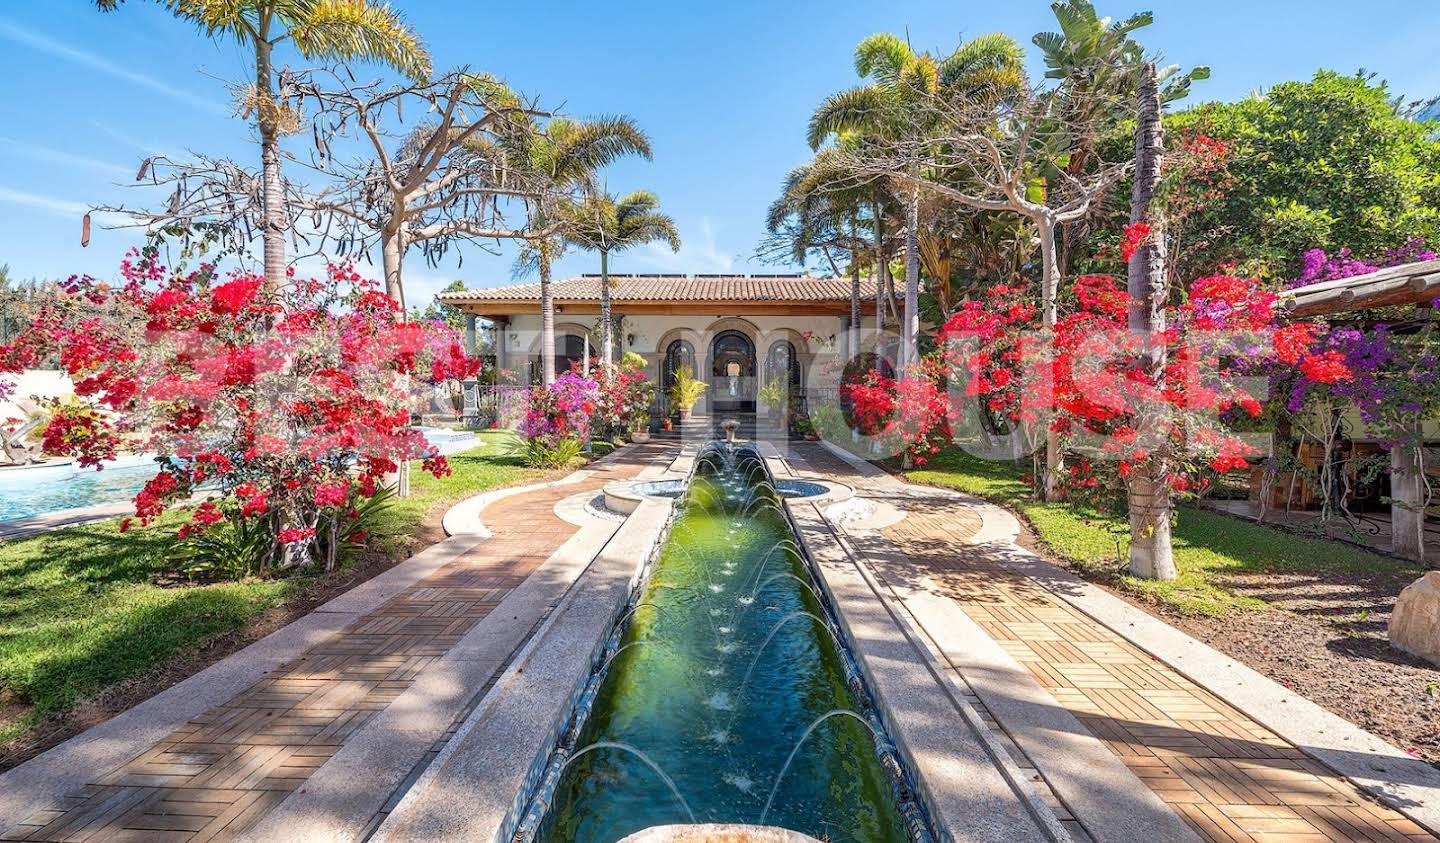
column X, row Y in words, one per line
column 326, row 30
column 605, row 224
column 988, row 68
column 563, row 159
column 818, row 210
column 1100, row 68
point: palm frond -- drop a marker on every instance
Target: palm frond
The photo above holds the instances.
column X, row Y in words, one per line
column 858, row 109
column 359, row 29
column 883, row 57
column 579, row 148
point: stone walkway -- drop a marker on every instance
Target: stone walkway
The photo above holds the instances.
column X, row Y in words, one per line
column 221, row 773
column 1229, row 777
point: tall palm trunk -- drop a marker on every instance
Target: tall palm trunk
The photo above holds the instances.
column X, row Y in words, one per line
column 910, row 330
column 853, row 345
column 275, row 220
column 606, row 326
column 881, row 273
column 1148, row 490
column 547, row 319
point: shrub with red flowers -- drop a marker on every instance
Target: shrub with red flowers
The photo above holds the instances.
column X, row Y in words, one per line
column 287, row 407
column 1098, row 384
column 908, row 416
column 622, row 403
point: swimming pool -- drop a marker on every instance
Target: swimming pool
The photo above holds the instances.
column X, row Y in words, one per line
column 37, row 490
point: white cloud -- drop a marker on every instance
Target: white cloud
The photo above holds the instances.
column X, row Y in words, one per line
column 21, row 35
column 71, row 210
column 697, row 254
column 56, row 156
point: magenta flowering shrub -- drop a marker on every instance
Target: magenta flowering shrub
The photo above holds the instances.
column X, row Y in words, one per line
column 561, row 411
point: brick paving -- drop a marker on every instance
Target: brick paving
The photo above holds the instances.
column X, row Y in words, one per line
column 1229, row 777
column 219, row 774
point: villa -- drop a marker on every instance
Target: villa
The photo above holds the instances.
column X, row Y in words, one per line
column 738, row 332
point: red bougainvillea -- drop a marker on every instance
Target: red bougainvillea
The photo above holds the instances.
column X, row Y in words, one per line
column 285, row 407
column 1096, row 383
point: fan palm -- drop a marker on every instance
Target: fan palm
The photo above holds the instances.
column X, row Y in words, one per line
column 604, row 224
column 563, row 158
column 988, row 68
column 334, row 30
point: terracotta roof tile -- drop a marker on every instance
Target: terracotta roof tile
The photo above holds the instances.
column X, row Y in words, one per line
column 799, row 288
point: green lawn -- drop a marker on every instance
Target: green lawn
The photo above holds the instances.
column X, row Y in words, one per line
column 1209, row 548
column 79, row 609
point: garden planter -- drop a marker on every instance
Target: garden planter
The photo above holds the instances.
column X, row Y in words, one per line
column 640, row 437
column 684, row 414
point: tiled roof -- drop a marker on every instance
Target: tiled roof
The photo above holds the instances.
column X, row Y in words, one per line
column 798, row 288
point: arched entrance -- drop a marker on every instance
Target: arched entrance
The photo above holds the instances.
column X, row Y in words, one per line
column 679, row 354
column 732, row 373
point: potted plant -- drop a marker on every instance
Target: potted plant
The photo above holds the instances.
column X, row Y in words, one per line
column 806, row 428
column 685, row 391
column 641, row 432
column 775, row 395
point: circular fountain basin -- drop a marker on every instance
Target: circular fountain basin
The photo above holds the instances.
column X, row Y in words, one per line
column 624, row 496
column 715, row 833
column 801, row 489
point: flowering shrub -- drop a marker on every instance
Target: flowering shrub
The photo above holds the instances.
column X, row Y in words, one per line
column 907, row 416
column 1099, row 385
column 287, row 406
column 557, row 421
column 623, row 401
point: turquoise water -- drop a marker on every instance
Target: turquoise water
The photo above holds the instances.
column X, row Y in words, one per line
column 37, row 490
column 695, row 686
column 27, row 492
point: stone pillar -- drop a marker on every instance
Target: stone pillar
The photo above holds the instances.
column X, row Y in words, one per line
column 470, row 334
column 501, row 342
column 1407, row 496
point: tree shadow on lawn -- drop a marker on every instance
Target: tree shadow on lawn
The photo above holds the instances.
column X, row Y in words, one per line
column 72, row 659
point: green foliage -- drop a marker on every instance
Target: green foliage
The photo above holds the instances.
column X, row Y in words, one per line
column 686, row 389
column 80, row 607
column 1214, row 553
column 775, row 394
column 231, row 549
column 1328, row 163
column 829, row 422
column 536, row 453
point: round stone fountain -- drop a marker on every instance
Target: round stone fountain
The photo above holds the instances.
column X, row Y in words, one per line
column 710, row 833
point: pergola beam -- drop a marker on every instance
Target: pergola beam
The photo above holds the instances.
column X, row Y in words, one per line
column 1414, row 283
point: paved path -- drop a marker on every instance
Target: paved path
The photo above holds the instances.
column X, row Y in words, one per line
column 217, row 776
column 1229, row 777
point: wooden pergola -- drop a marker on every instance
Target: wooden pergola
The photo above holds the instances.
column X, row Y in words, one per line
column 1408, row 284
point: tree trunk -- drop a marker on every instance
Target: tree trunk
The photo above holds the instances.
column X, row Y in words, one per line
column 392, row 253
column 1149, row 502
column 910, row 333
column 1408, row 494
column 881, row 271
column 276, row 221
column 854, row 342
column 606, row 325
column 1049, row 290
column 1150, row 554
column 547, row 320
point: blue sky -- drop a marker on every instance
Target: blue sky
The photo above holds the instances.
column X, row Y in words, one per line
column 724, row 89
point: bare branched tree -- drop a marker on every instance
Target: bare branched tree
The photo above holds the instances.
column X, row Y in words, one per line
column 446, row 179
column 1006, row 157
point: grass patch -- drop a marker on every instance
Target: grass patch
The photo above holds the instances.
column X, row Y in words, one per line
column 1210, row 549
column 80, row 610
